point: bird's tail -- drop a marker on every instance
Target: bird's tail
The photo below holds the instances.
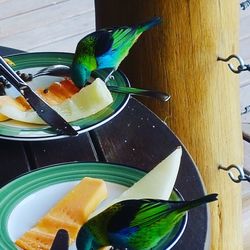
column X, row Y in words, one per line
column 150, row 24
column 187, row 205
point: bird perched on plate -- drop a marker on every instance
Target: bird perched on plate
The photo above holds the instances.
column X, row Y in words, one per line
column 135, row 224
column 105, row 48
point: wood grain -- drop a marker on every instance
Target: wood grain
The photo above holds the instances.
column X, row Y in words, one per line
column 44, row 153
column 179, row 57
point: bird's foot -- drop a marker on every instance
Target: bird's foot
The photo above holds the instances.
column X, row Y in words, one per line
column 109, row 76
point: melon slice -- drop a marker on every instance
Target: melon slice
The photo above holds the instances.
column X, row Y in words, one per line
column 156, row 184
column 8, row 101
column 70, row 213
column 159, row 182
column 88, row 101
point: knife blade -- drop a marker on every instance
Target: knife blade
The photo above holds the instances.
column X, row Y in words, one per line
column 44, row 111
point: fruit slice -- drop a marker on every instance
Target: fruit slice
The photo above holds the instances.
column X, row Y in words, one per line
column 3, row 118
column 8, row 101
column 159, row 182
column 58, row 92
column 70, row 213
column 89, row 100
column 156, row 184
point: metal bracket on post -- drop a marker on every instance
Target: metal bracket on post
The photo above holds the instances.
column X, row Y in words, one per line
column 242, row 66
column 242, row 175
column 245, row 4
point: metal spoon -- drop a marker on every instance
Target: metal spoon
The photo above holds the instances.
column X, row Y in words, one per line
column 64, row 71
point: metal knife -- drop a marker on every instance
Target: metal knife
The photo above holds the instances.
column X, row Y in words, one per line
column 49, row 115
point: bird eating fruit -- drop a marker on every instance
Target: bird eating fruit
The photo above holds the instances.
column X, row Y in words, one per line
column 105, row 48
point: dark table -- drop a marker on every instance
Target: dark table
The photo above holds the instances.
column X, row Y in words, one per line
column 136, row 137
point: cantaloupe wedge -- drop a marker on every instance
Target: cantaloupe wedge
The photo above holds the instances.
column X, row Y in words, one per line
column 70, row 213
column 58, row 92
column 88, row 101
column 157, row 184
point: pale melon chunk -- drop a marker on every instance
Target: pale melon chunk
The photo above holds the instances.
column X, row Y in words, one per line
column 159, row 182
column 156, row 184
column 69, row 213
column 88, row 101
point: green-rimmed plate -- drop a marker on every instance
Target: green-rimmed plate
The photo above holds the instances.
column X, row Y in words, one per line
column 33, row 62
column 27, row 198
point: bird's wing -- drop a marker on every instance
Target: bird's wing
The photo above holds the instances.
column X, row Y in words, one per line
column 136, row 213
column 140, row 223
column 149, row 213
column 122, row 40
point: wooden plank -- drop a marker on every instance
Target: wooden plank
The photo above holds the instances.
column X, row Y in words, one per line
column 64, row 45
column 244, row 48
column 13, row 161
column 136, row 137
column 58, row 32
column 247, row 158
column 44, row 17
column 12, row 8
column 50, row 152
column 244, row 102
column 244, row 96
column 244, row 78
column 246, row 214
column 244, row 25
column 246, row 199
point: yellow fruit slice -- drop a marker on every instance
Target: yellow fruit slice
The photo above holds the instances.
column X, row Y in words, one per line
column 8, row 61
column 3, row 118
column 70, row 213
column 88, row 101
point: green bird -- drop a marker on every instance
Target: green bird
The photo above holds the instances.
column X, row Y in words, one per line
column 105, row 48
column 135, row 224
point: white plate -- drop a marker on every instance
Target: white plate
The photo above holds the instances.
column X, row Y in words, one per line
column 27, row 198
column 33, row 62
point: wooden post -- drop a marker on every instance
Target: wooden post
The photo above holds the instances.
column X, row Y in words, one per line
column 180, row 57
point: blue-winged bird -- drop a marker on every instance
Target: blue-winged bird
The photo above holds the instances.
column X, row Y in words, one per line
column 135, row 224
column 105, row 48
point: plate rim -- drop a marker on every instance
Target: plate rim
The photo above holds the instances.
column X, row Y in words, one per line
column 53, row 136
column 46, row 171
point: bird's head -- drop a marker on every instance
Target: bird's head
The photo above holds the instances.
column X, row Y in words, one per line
column 85, row 239
column 79, row 74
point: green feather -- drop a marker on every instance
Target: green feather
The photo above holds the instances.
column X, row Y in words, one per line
column 137, row 224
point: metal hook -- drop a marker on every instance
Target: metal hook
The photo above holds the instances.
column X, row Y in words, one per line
column 246, row 110
column 241, row 177
column 240, row 68
column 245, row 4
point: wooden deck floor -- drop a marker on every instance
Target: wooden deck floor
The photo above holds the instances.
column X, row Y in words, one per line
column 45, row 25
column 57, row 25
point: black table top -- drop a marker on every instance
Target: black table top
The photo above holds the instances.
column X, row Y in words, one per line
column 135, row 137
